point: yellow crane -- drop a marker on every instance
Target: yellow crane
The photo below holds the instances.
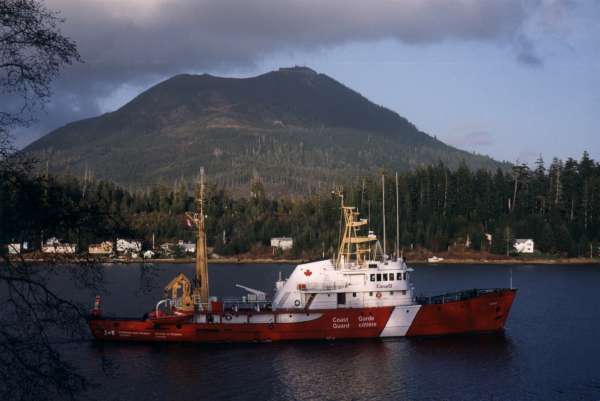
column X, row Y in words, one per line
column 183, row 298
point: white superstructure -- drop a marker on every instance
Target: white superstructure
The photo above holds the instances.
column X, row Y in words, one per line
column 320, row 285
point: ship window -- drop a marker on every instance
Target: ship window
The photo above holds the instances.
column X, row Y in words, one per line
column 371, row 293
column 372, row 277
column 391, row 292
column 378, row 276
column 403, row 292
column 341, row 298
column 354, row 295
column 399, row 276
column 372, row 265
column 385, row 277
column 391, row 276
column 404, row 276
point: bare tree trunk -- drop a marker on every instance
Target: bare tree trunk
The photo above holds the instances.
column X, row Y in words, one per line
column 585, row 205
column 572, row 205
column 445, row 191
column 556, row 195
column 362, row 195
column 514, row 200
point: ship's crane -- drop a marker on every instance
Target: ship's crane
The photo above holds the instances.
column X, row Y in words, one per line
column 182, row 299
column 253, row 295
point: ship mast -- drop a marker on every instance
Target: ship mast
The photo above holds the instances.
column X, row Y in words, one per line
column 201, row 289
column 383, row 207
column 354, row 248
column 397, row 220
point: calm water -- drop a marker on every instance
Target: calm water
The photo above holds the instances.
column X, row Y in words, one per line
column 550, row 350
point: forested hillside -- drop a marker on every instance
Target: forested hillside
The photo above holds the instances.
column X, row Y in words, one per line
column 298, row 130
column 558, row 206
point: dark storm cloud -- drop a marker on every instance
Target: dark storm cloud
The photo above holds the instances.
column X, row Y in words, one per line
column 121, row 40
column 140, row 41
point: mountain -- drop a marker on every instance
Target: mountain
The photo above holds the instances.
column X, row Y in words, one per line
column 296, row 129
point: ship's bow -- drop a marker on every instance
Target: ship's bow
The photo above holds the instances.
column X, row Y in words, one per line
column 473, row 311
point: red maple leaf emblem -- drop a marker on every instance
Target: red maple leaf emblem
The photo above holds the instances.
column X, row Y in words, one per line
column 307, row 273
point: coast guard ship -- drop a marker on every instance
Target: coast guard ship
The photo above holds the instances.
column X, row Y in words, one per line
column 361, row 293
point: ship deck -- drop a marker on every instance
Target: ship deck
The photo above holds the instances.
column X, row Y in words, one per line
column 458, row 296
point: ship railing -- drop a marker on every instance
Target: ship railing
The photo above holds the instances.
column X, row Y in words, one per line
column 244, row 303
column 323, row 287
column 456, row 296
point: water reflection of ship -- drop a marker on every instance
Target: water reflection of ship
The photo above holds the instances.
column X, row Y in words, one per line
column 350, row 369
column 363, row 292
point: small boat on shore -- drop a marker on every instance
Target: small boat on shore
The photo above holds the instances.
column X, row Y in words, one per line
column 434, row 259
column 361, row 293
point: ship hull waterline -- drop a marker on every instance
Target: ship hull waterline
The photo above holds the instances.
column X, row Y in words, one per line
column 481, row 314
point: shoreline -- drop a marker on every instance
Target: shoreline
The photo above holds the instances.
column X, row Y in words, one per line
column 450, row 261
column 512, row 261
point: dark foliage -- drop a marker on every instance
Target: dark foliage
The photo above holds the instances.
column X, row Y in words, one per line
column 32, row 50
column 34, row 320
column 559, row 208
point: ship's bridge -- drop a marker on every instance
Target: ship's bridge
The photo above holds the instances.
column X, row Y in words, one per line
column 320, row 285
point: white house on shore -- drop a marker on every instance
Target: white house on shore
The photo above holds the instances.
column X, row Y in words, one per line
column 103, row 248
column 129, row 245
column 282, row 243
column 54, row 245
column 16, row 248
column 524, row 245
column 169, row 247
column 188, row 247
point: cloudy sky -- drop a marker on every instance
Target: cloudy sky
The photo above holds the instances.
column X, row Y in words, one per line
column 512, row 79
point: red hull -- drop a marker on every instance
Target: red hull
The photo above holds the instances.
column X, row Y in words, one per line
column 484, row 313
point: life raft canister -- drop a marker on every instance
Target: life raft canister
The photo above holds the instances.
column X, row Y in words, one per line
column 227, row 316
